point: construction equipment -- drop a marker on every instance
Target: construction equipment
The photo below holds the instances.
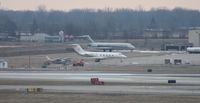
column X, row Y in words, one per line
column 34, row 90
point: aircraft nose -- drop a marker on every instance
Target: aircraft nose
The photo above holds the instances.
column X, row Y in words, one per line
column 132, row 47
column 124, row 56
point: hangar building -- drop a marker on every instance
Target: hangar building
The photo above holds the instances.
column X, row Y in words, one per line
column 194, row 37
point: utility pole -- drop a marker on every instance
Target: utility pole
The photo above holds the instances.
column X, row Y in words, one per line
column 29, row 62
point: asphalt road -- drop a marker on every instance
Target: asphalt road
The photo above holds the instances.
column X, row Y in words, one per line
column 107, row 77
column 185, row 83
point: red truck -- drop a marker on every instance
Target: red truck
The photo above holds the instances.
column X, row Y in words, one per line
column 95, row 81
column 78, row 63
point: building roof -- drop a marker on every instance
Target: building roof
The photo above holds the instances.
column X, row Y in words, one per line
column 2, row 60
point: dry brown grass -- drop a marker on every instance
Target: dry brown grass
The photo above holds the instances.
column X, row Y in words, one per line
column 95, row 98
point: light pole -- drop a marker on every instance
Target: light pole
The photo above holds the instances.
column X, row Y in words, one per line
column 29, row 62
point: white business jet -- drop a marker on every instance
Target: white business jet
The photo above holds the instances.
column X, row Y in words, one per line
column 109, row 46
column 97, row 55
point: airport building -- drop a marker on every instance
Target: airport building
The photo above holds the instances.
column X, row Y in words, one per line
column 194, row 37
column 177, row 46
column 39, row 37
column 164, row 34
column 156, row 33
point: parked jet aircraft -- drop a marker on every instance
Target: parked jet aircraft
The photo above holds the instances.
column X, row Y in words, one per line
column 193, row 49
column 64, row 61
column 97, row 55
column 109, row 46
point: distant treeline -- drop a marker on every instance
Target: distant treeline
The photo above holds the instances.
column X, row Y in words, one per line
column 97, row 23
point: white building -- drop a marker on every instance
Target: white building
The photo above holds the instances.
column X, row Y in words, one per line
column 3, row 64
column 194, row 37
column 38, row 37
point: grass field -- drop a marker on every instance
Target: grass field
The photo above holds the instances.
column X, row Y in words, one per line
column 95, row 98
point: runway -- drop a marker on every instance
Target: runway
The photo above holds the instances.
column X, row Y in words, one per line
column 186, row 79
column 137, row 83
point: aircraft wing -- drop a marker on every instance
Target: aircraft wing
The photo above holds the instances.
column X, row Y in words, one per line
column 99, row 58
column 103, row 48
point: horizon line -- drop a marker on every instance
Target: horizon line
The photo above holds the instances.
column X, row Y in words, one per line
column 103, row 9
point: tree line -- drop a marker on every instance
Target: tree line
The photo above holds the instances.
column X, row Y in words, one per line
column 97, row 23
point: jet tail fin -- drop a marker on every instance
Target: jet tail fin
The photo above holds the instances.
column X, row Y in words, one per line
column 77, row 48
column 88, row 37
column 48, row 58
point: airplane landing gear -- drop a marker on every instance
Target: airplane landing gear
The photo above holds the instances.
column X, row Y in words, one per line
column 97, row 60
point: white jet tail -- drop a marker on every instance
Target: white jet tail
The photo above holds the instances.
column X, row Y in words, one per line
column 88, row 37
column 48, row 58
column 77, row 48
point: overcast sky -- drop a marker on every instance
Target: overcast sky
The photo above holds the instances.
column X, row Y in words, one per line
column 97, row 4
